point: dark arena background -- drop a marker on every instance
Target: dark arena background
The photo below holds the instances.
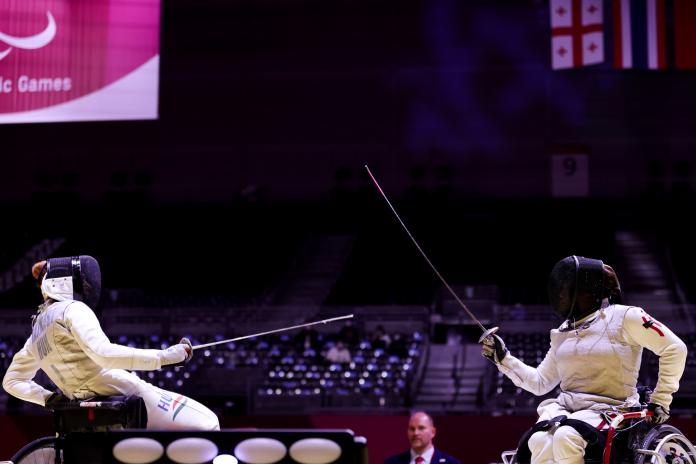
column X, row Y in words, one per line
column 246, row 207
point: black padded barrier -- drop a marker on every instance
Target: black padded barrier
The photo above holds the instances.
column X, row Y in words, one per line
column 93, row 448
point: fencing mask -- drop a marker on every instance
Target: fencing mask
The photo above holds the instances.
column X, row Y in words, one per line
column 75, row 278
column 578, row 285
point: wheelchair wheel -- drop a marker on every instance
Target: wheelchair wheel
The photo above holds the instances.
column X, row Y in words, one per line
column 667, row 442
column 39, row 451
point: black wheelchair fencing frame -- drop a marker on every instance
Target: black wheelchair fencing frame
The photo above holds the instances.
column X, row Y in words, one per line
column 98, row 414
column 661, row 444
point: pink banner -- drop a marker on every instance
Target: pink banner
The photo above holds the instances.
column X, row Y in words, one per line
column 78, row 59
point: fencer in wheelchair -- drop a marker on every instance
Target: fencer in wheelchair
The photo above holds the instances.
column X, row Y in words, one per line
column 68, row 344
column 595, row 356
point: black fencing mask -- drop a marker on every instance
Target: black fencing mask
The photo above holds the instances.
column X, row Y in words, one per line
column 75, row 278
column 576, row 277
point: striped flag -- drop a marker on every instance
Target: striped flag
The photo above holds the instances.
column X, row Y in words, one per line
column 640, row 34
column 577, row 33
column 684, row 34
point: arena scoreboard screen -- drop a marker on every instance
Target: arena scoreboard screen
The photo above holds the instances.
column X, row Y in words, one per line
column 79, row 60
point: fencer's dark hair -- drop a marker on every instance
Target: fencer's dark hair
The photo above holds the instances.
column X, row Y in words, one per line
column 42, row 272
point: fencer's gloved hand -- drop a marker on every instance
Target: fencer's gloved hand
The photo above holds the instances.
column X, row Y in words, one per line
column 494, row 349
column 175, row 354
column 55, row 399
column 189, row 349
column 660, row 413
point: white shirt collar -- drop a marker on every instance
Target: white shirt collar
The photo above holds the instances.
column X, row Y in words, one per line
column 585, row 321
column 427, row 455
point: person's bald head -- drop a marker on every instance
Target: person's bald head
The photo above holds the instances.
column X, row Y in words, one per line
column 421, row 431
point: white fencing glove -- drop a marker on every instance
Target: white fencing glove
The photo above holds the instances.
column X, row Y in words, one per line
column 189, row 349
column 175, row 354
column 493, row 349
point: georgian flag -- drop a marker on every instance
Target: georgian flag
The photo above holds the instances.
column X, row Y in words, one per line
column 577, row 33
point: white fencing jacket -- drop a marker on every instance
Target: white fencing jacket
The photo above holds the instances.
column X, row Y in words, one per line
column 68, row 344
column 597, row 362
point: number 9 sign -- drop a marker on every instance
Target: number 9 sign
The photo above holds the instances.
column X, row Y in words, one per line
column 569, row 176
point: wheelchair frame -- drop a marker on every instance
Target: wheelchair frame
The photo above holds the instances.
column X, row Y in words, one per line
column 641, row 454
column 52, row 444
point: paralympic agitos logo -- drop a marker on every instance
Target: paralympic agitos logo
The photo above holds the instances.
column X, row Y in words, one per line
column 26, row 83
column 57, row 51
column 31, row 42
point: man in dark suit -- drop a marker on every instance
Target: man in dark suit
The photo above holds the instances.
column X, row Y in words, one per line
column 421, row 431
